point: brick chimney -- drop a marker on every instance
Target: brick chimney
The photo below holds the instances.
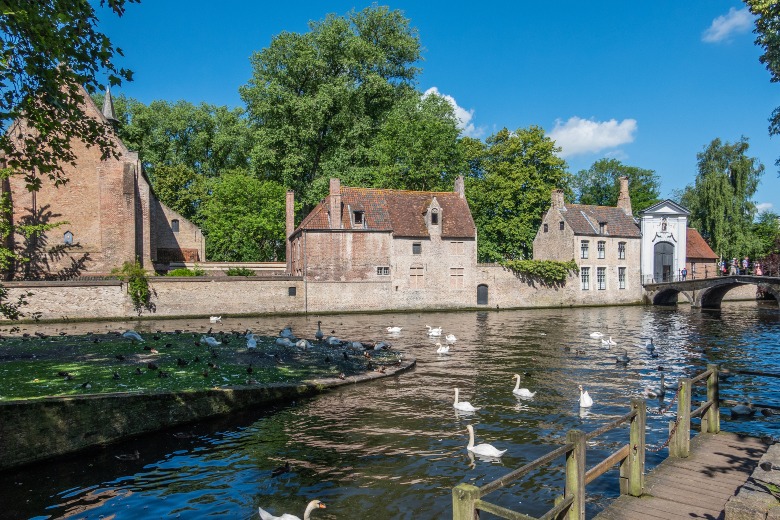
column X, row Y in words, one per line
column 624, row 199
column 289, row 227
column 335, row 204
column 460, row 187
column 557, row 199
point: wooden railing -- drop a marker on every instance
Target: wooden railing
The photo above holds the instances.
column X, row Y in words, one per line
column 467, row 499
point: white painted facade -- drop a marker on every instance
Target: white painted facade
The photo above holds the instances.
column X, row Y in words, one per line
column 663, row 250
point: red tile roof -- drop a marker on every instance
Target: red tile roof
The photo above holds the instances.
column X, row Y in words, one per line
column 697, row 247
column 397, row 211
column 585, row 220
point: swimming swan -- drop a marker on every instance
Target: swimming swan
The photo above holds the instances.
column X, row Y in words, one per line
column 585, row 400
column 481, row 449
column 522, row 392
column 314, row 504
column 596, row 335
column 434, row 331
column 463, row 406
column 442, row 349
column 450, row 338
column 393, row 330
column 215, row 319
column 609, row 342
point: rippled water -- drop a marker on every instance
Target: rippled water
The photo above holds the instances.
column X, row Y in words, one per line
column 394, row 448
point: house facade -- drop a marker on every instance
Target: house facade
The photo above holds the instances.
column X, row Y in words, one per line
column 108, row 212
column 664, row 241
column 701, row 261
column 604, row 241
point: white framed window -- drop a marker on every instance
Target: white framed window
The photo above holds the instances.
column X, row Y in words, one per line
column 456, row 277
column 585, row 278
column 621, row 250
column 584, row 249
column 457, row 248
column 383, row 270
column 601, row 248
column 621, row 277
column 416, row 278
column 601, row 278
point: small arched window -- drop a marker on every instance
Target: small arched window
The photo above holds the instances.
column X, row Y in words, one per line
column 67, row 238
column 434, row 217
column 175, row 225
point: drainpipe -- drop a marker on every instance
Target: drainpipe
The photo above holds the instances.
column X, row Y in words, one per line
column 305, row 277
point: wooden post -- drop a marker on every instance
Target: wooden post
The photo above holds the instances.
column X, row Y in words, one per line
column 636, row 454
column 464, row 498
column 680, row 444
column 713, row 394
column 575, row 475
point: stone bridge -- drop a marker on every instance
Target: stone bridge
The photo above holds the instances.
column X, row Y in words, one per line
column 707, row 293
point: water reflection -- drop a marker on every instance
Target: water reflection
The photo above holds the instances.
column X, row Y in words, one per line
column 394, row 448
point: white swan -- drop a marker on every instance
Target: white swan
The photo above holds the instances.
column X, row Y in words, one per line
column 434, row 331
column 251, row 342
column 215, row 319
column 442, row 349
column 314, row 504
column 522, row 392
column 596, row 335
column 393, row 330
column 463, row 406
column 210, row 341
column 482, row 449
column 585, row 399
column 133, row 335
column 450, row 338
column 609, row 342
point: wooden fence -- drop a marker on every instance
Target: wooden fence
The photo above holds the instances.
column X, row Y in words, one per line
column 467, row 499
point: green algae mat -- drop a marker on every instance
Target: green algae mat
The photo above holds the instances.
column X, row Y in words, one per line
column 37, row 366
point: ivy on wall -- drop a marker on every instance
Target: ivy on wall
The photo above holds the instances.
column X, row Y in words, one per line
column 137, row 285
column 545, row 272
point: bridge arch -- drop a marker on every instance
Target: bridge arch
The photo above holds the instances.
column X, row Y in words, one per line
column 669, row 296
column 708, row 293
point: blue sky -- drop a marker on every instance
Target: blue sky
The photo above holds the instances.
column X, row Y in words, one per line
column 649, row 83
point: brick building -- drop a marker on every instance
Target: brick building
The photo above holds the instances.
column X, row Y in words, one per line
column 111, row 215
column 604, row 241
column 405, row 242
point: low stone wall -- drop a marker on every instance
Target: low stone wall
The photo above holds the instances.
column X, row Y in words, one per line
column 36, row 430
column 757, row 499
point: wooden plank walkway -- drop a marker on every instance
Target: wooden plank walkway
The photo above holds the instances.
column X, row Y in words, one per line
column 695, row 487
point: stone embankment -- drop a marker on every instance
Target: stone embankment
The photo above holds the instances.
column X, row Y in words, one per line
column 36, row 430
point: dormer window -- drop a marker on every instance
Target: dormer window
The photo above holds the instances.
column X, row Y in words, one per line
column 357, row 218
column 602, row 227
column 175, row 225
column 434, row 217
column 67, row 238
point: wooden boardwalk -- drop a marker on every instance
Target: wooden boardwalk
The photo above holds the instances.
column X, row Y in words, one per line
column 694, row 487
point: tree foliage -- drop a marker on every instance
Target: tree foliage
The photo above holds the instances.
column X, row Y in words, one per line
column 545, row 272
column 600, row 185
column 137, row 286
column 510, row 190
column 50, row 49
column 720, row 199
column 766, row 230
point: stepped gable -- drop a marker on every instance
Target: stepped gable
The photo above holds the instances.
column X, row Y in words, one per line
column 397, row 211
column 697, row 247
column 585, row 219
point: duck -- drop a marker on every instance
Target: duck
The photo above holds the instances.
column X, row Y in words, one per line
column 128, row 456
column 486, row 450
column 319, row 335
column 442, row 349
column 132, row 335
column 393, row 330
column 451, row 338
column 434, row 331
column 215, row 319
column 522, row 392
column 609, row 342
column 585, row 400
column 463, row 406
column 281, row 469
column 596, row 335
column 211, row 341
column 314, row 504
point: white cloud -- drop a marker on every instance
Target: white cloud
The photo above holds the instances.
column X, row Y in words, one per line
column 736, row 21
column 577, row 136
column 463, row 116
column 763, row 206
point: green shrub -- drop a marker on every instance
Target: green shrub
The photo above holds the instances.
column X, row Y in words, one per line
column 239, row 271
column 183, row 271
column 137, row 285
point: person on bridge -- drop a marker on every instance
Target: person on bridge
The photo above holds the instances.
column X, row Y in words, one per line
column 745, row 265
column 684, row 273
column 733, row 267
column 757, row 269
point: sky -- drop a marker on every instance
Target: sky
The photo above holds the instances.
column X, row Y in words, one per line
column 648, row 83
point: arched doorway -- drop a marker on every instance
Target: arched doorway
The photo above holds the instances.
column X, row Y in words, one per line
column 663, row 266
column 482, row 294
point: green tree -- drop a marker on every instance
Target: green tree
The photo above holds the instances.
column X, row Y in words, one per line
column 316, row 100
column 766, row 230
column 244, row 219
column 767, row 29
column 511, row 190
column 182, row 190
column 720, row 199
column 600, row 185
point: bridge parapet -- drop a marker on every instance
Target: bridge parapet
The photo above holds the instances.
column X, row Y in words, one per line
column 708, row 292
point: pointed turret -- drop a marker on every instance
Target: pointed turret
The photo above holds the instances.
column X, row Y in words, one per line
column 108, row 107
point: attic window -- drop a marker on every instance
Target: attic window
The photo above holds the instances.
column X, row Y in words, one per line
column 602, row 227
column 434, row 217
column 67, row 238
column 545, row 228
column 560, row 225
column 175, row 225
column 357, row 217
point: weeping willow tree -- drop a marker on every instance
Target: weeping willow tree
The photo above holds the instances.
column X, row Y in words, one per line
column 720, row 199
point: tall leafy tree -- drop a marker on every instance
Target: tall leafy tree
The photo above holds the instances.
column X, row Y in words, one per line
column 767, row 32
column 316, row 100
column 766, row 230
column 720, row 200
column 511, row 190
column 244, row 218
column 600, row 185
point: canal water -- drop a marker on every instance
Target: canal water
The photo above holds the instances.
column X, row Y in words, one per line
column 394, row 448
